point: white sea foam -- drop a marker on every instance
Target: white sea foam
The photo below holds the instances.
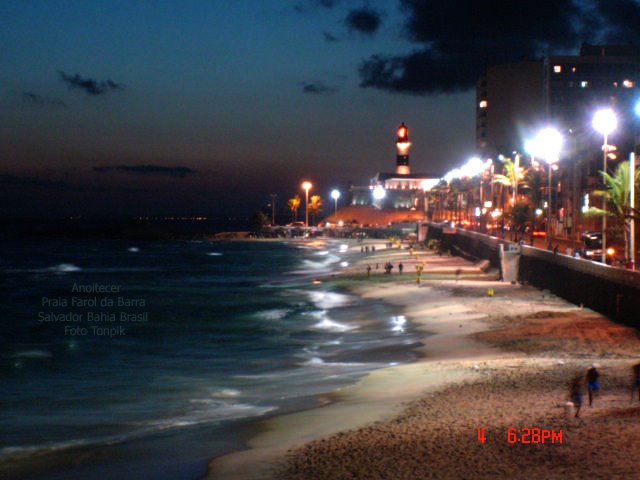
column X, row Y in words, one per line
column 322, row 252
column 214, row 254
column 133, row 249
column 332, row 326
column 32, row 354
column 329, row 299
column 209, row 410
column 64, row 268
column 226, row 392
column 273, row 314
column 314, row 361
column 398, row 323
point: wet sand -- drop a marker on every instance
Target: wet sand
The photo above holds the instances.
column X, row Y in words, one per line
column 495, row 362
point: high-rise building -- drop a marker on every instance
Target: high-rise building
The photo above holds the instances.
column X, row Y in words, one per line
column 509, row 103
column 515, row 100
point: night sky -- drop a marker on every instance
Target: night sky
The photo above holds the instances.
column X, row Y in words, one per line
column 206, row 107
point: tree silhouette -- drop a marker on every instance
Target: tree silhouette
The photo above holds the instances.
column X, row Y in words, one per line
column 617, row 194
column 315, row 207
column 294, row 204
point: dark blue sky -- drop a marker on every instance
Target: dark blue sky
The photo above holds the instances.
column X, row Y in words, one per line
column 185, row 107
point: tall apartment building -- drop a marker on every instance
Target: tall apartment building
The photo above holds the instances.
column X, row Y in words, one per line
column 515, row 100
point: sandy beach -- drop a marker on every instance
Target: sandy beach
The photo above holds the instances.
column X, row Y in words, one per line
column 498, row 358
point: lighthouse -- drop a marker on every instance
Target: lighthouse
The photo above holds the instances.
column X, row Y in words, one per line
column 402, row 150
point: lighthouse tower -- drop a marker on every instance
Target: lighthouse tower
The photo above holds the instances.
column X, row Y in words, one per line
column 402, row 148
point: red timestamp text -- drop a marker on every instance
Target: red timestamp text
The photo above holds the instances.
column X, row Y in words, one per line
column 534, row 435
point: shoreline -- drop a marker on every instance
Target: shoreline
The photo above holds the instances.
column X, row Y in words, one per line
column 468, row 341
column 381, row 394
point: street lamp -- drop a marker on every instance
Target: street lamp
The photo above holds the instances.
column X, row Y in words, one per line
column 306, row 186
column 273, row 208
column 335, row 194
column 604, row 122
column 547, row 145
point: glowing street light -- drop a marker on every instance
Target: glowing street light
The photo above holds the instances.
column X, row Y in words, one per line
column 335, row 194
column 379, row 192
column 306, row 186
column 604, row 122
column 547, row 145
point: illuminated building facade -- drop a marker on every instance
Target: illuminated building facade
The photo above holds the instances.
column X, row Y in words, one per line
column 400, row 189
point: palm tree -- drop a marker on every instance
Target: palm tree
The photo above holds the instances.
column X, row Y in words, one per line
column 315, row 207
column 534, row 183
column 519, row 216
column 617, row 194
column 294, row 204
column 510, row 176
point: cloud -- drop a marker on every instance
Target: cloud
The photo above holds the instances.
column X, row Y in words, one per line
column 16, row 181
column 456, row 40
column 89, row 85
column 36, row 99
column 364, row 20
column 147, row 170
column 317, row 88
column 329, row 38
column 305, row 5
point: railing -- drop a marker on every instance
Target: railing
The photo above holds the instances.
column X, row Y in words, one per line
column 614, row 292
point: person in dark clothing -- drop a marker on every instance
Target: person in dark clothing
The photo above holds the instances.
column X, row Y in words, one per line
column 400, row 267
column 593, row 383
column 575, row 393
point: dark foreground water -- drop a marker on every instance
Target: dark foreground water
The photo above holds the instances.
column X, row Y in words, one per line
column 186, row 345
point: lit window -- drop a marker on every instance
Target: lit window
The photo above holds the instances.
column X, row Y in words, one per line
column 627, row 84
column 483, row 104
column 557, row 69
column 584, row 84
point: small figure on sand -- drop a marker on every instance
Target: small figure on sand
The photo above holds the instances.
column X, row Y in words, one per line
column 388, row 267
column 636, row 380
column 458, row 273
column 575, row 393
column 368, row 270
column 400, row 268
column 593, row 384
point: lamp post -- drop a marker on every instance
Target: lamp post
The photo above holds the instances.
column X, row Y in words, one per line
column 604, row 122
column 547, row 145
column 306, row 186
column 273, row 208
column 335, row 194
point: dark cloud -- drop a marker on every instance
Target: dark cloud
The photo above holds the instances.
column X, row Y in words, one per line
column 89, row 85
column 317, row 88
column 329, row 38
column 147, row 170
column 16, row 181
column 36, row 99
column 456, row 40
column 307, row 5
column 363, row 20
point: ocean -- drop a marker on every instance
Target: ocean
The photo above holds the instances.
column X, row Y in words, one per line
column 133, row 360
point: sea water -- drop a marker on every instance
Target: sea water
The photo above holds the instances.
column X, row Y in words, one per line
column 144, row 360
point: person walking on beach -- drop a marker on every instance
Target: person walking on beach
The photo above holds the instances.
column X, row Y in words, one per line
column 575, row 393
column 593, row 384
column 368, row 270
column 400, row 268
